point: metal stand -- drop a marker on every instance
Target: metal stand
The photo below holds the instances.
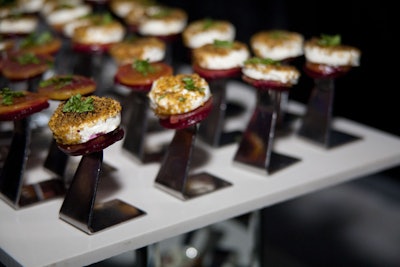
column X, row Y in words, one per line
column 211, row 129
column 56, row 160
column 80, row 208
column 256, row 146
column 316, row 123
column 173, row 176
column 137, row 129
column 12, row 187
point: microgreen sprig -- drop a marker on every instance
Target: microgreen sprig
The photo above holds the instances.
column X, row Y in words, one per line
column 222, row 43
column 189, row 85
column 330, row 40
column 8, row 95
column 143, row 66
column 58, row 82
column 78, row 105
column 264, row 61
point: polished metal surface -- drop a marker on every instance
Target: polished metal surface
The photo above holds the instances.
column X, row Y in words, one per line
column 317, row 122
column 56, row 160
column 12, row 187
column 211, row 129
column 256, row 146
column 138, row 128
column 174, row 175
column 80, row 208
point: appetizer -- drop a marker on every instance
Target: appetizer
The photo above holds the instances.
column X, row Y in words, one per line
column 16, row 24
column 100, row 32
column 180, row 101
column 279, row 45
column 141, row 48
column 162, row 22
column 84, row 125
column 62, row 87
column 205, row 31
column 16, row 105
column 269, row 74
column 221, row 59
column 141, row 74
column 59, row 13
column 327, row 57
column 22, row 65
column 40, row 43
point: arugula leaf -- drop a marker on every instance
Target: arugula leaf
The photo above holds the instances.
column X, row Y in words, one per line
column 78, row 105
column 8, row 95
column 208, row 23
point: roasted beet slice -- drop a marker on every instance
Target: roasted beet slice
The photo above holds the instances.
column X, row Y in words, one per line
column 94, row 145
column 321, row 71
column 22, row 106
column 210, row 74
column 266, row 84
column 22, row 65
column 181, row 121
column 62, row 87
column 128, row 76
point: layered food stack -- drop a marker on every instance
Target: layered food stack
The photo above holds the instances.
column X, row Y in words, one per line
column 180, row 101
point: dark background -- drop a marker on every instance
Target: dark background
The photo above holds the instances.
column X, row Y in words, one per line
column 368, row 93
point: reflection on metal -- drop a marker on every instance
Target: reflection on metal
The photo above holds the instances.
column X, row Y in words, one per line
column 316, row 123
column 56, row 160
column 12, row 187
column 80, row 208
column 211, row 129
column 256, row 146
column 174, row 174
column 137, row 129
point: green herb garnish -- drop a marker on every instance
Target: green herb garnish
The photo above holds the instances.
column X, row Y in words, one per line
column 161, row 13
column 264, row 61
column 36, row 39
column 221, row 43
column 8, row 95
column 78, row 105
column 27, row 58
column 330, row 40
column 58, row 82
column 208, row 23
column 143, row 66
column 189, row 85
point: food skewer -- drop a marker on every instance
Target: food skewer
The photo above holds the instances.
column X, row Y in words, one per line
column 217, row 63
column 326, row 60
column 18, row 106
column 60, row 88
column 100, row 117
column 181, row 102
column 139, row 76
column 270, row 78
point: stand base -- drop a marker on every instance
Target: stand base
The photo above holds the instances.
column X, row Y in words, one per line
column 105, row 215
column 335, row 139
column 196, row 185
column 37, row 193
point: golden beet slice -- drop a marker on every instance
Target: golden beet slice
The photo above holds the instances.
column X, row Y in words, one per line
column 18, row 105
column 62, row 87
column 24, row 65
column 138, row 80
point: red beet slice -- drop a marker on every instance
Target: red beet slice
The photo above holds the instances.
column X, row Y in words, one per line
column 23, row 106
column 322, row 71
column 266, row 84
column 94, row 145
column 185, row 120
column 210, row 74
